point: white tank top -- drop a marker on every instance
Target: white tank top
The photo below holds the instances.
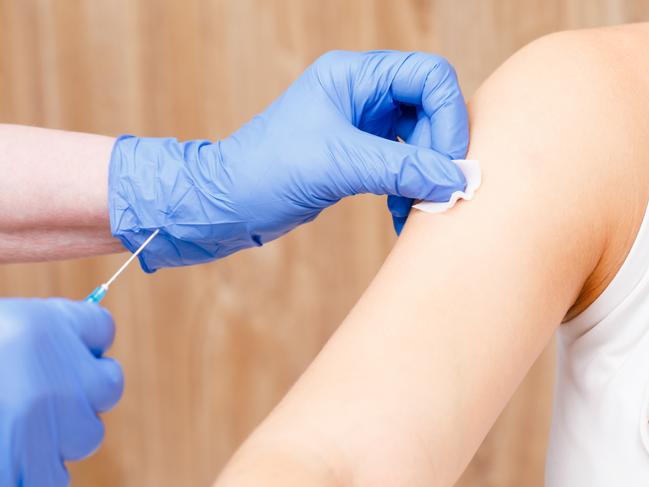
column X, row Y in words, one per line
column 600, row 426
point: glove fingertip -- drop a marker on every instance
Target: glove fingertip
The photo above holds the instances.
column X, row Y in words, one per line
column 99, row 336
column 398, row 223
column 399, row 206
column 447, row 179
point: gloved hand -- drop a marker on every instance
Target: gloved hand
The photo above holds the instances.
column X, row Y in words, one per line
column 330, row 135
column 53, row 382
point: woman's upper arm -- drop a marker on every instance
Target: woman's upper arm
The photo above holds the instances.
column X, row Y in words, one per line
column 406, row 389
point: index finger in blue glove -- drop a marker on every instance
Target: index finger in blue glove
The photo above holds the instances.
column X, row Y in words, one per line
column 385, row 167
column 430, row 81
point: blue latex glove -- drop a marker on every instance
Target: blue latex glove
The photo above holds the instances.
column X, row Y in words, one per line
column 330, row 135
column 53, row 382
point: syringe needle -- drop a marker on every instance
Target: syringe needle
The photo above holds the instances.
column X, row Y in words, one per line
column 98, row 294
column 131, row 258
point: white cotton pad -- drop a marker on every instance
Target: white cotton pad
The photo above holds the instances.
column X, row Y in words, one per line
column 473, row 175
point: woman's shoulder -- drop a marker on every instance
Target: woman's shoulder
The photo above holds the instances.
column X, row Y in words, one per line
column 582, row 102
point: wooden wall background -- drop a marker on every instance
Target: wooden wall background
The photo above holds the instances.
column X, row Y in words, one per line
column 208, row 351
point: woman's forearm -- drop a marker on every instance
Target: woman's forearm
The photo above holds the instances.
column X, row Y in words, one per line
column 53, row 194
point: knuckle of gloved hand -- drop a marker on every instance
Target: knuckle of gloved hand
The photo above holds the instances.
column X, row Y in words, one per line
column 441, row 73
column 448, row 77
column 332, row 67
column 331, row 57
column 443, row 64
column 334, row 64
column 433, row 62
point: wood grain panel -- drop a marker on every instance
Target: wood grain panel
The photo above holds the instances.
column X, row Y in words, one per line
column 209, row 350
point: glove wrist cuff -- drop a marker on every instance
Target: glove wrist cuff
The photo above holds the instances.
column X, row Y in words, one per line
column 177, row 187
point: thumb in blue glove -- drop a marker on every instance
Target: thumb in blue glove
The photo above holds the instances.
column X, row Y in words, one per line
column 331, row 134
column 53, row 383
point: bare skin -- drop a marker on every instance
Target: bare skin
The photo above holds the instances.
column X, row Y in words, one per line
column 416, row 375
column 53, row 194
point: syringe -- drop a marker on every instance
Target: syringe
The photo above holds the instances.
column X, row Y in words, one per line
column 100, row 291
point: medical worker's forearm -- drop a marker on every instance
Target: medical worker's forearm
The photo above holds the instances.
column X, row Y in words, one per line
column 209, row 199
column 53, row 194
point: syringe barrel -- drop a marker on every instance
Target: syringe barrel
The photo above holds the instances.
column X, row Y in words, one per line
column 97, row 295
